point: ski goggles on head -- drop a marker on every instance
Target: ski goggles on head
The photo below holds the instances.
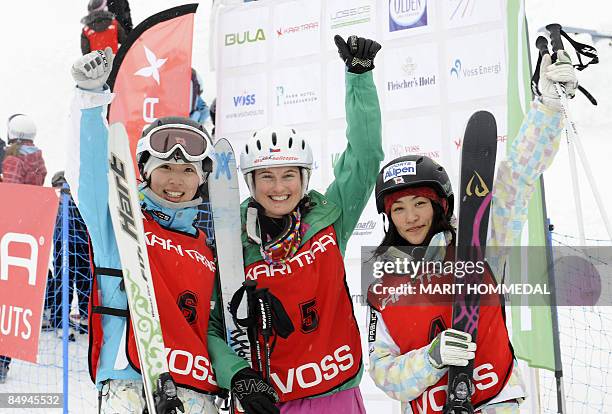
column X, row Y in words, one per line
column 163, row 141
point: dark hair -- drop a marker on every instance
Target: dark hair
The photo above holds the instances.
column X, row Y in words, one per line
column 393, row 238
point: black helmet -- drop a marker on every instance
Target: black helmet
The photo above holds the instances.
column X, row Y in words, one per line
column 413, row 171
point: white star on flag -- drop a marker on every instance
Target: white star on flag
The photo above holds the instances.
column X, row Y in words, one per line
column 153, row 70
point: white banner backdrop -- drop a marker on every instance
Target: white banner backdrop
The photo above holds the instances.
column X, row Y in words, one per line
column 441, row 61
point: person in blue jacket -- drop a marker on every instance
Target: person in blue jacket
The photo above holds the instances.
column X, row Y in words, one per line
column 174, row 160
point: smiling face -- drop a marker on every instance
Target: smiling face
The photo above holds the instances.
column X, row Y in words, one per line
column 278, row 189
column 176, row 183
column 412, row 216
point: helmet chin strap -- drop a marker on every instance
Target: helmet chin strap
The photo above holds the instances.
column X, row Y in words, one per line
column 252, row 225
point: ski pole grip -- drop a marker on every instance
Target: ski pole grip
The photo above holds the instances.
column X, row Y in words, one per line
column 542, row 45
column 554, row 30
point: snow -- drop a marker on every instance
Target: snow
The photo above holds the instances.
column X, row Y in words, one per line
column 41, row 40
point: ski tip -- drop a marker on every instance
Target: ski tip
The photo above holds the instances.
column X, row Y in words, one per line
column 481, row 122
column 223, row 143
column 482, row 116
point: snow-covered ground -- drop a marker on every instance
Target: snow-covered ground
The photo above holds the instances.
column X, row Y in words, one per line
column 40, row 39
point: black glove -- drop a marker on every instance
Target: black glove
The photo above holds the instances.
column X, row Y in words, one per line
column 255, row 395
column 357, row 53
column 166, row 400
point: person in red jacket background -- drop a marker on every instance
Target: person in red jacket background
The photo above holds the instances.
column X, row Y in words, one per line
column 23, row 162
column 101, row 28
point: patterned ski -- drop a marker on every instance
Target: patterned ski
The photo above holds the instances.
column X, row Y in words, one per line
column 126, row 216
column 477, row 171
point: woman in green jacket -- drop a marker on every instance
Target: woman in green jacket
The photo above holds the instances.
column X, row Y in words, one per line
column 294, row 241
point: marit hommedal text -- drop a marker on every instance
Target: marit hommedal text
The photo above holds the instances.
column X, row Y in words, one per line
column 460, row 289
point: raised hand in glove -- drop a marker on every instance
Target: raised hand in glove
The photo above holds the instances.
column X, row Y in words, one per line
column 255, row 395
column 561, row 72
column 91, row 71
column 451, row 347
column 357, row 53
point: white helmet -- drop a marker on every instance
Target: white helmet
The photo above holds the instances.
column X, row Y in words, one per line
column 276, row 147
column 21, row 126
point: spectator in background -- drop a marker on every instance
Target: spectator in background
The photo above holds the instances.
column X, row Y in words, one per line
column 121, row 10
column 2, row 148
column 79, row 271
column 198, row 110
column 23, row 164
column 213, row 114
column 101, row 29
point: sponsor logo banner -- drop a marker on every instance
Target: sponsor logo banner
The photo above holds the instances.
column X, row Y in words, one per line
column 25, row 245
column 243, row 37
column 407, row 14
column 297, row 29
column 348, row 18
column 151, row 79
column 297, row 95
column 479, row 71
column 242, row 104
column 411, row 77
column 461, row 13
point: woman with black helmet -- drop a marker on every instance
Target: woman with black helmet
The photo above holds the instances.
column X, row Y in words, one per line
column 411, row 340
column 174, row 160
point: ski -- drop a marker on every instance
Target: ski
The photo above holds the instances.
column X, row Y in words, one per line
column 477, row 170
column 127, row 218
column 224, row 196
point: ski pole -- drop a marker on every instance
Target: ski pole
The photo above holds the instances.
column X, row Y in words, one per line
column 542, row 45
column 252, row 302
column 266, row 329
column 554, row 31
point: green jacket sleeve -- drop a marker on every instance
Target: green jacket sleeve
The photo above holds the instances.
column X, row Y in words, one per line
column 356, row 169
column 224, row 360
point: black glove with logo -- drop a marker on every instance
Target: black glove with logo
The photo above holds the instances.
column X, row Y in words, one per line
column 255, row 395
column 166, row 399
column 357, row 53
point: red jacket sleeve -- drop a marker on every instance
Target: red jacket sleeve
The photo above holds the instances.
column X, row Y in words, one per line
column 12, row 170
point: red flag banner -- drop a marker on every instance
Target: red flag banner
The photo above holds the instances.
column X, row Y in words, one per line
column 26, row 239
column 152, row 71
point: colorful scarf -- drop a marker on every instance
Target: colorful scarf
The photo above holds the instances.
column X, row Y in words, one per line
column 287, row 244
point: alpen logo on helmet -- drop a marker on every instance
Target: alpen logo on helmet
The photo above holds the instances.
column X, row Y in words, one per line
column 398, row 169
column 151, row 71
column 480, row 188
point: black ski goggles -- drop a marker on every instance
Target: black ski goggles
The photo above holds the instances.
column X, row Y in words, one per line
column 164, row 140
